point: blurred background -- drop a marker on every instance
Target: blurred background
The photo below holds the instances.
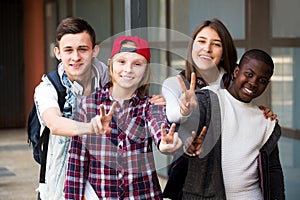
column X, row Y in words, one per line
column 27, row 39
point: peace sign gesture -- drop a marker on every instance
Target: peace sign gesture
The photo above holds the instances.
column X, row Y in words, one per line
column 169, row 142
column 100, row 123
column 194, row 143
column 187, row 100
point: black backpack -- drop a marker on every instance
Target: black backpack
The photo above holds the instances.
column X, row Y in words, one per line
column 39, row 142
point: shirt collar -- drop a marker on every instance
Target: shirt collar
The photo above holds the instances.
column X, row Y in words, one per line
column 135, row 98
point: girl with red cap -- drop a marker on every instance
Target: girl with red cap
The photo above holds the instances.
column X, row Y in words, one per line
column 117, row 161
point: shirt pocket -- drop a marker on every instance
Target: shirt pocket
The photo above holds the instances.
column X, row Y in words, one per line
column 136, row 131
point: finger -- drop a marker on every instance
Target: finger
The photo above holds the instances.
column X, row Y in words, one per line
column 175, row 139
column 193, row 134
column 183, row 108
column 188, row 105
column 273, row 117
column 262, row 107
column 163, row 130
column 112, row 109
column 268, row 111
column 182, row 84
column 191, row 150
column 158, row 100
column 172, row 129
column 102, row 111
column 199, row 141
column 159, row 103
column 154, row 97
column 197, row 152
column 203, row 133
column 193, row 81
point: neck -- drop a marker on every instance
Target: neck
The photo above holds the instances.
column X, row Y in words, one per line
column 120, row 94
column 86, row 82
column 209, row 75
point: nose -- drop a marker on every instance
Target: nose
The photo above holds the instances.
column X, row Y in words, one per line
column 128, row 67
column 253, row 82
column 75, row 55
column 207, row 47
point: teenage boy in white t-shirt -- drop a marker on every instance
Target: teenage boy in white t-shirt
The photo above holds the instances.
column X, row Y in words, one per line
column 239, row 156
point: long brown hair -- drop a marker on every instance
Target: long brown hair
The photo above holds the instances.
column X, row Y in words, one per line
column 229, row 57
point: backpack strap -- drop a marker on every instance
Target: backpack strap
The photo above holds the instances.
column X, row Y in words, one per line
column 60, row 89
column 44, row 139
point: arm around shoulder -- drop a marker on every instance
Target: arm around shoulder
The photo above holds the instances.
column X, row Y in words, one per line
column 60, row 125
column 45, row 97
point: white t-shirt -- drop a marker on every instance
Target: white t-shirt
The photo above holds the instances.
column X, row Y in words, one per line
column 244, row 131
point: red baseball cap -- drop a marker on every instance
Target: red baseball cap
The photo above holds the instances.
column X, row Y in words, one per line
column 141, row 48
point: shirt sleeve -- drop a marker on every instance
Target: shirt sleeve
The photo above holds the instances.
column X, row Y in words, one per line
column 171, row 91
column 45, row 96
column 156, row 117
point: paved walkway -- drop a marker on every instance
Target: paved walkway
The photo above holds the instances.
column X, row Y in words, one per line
column 18, row 171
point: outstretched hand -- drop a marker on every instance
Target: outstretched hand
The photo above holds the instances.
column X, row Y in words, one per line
column 100, row 123
column 187, row 100
column 268, row 113
column 194, row 143
column 169, row 142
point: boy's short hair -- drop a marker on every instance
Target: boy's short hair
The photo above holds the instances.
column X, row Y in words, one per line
column 260, row 55
column 73, row 25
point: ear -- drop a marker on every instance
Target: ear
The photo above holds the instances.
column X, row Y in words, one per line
column 108, row 62
column 57, row 53
column 236, row 71
column 96, row 50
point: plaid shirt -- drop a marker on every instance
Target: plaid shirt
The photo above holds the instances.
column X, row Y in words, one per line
column 119, row 165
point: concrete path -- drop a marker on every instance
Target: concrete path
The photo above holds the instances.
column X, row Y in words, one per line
column 18, row 171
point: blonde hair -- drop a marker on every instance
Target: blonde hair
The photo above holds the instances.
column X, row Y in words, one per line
column 143, row 88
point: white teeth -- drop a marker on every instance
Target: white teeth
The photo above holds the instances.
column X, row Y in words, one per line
column 127, row 77
column 248, row 91
column 206, row 57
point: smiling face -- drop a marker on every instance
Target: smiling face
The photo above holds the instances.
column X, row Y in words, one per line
column 251, row 80
column 127, row 71
column 76, row 52
column 207, row 49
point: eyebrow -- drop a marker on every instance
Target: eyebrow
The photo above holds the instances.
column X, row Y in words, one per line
column 253, row 72
column 81, row 46
column 202, row 37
